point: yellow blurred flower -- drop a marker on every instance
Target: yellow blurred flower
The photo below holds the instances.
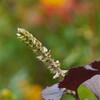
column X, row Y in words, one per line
column 30, row 92
column 7, row 94
column 34, row 93
column 55, row 3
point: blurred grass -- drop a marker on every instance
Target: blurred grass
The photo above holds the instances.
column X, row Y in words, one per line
column 71, row 31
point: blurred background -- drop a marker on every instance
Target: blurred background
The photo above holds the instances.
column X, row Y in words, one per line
column 70, row 28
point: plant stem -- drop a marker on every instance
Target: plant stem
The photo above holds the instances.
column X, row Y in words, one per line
column 76, row 96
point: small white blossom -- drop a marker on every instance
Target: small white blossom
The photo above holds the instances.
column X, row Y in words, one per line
column 18, row 34
column 56, row 75
column 39, row 57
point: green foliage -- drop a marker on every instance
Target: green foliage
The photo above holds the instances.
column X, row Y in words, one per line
column 86, row 93
column 74, row 40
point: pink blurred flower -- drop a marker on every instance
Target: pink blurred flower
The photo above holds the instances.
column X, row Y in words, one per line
column 66, row 10
column 60, row 8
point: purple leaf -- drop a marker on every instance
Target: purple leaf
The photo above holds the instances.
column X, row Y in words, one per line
column 78, row 75
column 96, row 64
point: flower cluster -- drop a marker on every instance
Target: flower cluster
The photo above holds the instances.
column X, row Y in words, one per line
column 43, row 54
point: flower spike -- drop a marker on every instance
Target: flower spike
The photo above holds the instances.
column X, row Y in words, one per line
column 43, row 54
